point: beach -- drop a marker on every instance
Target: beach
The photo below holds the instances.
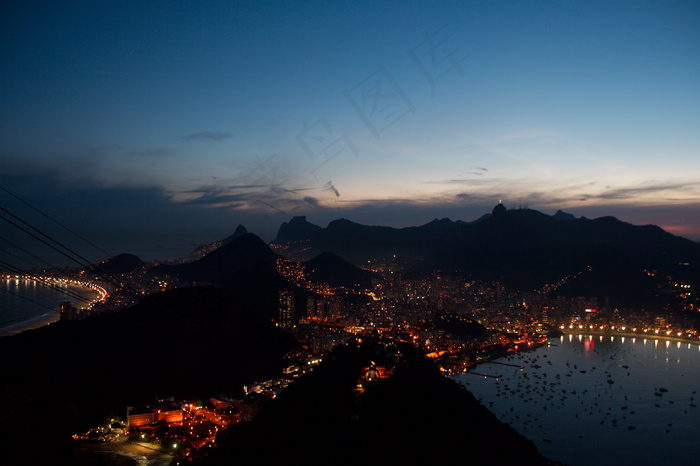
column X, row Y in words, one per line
column 29, row 304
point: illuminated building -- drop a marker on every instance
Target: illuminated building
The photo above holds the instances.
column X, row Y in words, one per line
column 67, row 310
column 335, row 308
column 168, row 411
column 310, row 307
column 286, row 309
column 321, row 309
column 223, row 402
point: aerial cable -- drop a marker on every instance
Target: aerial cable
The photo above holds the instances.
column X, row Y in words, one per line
column 87, row 263
column 36, row 237
column 29, row 253
column 20, row 258
column 28, row 299
column 57, row 222
column 45, row 282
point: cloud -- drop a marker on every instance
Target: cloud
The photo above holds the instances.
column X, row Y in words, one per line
column 635, row 192
column 270, row 206
column 207, row 136
column 311, row 200
column 222, row 199
column 329, row 187
column 462, row 181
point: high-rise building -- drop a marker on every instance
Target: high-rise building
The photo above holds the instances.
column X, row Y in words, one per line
column 310, row 307
column 335, row 308
column 322, row 309
column 286, row 309
column 66, row 310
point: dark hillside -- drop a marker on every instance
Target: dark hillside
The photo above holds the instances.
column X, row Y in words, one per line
column 117, row 265
column 189, row 342
column 416, row 416
column 335, row 271
column 241, row 253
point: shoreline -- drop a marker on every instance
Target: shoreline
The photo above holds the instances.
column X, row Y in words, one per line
column 655, row 336
column 30, row 324
column 644, row 336
column 48, row 317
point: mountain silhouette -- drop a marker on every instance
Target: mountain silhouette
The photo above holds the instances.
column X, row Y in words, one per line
column 560, row 215
column 240, row 231
column 297, row 229
column 207, row 248
column 241, row 253
column 333, row 270
column 117, row 265
column 415, row 416
column 523, row 248
column 187, row 343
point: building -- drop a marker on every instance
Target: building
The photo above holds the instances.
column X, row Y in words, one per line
column 163, row 410
column 68, row 311
column 252, row 404
column 311, row 307
column 286, row 310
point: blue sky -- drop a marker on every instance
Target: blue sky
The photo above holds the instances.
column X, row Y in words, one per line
column 144, row 124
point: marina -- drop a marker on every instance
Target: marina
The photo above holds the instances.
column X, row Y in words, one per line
column 586, row 399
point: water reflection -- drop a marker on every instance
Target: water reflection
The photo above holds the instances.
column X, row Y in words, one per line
column 589, row 347
column 586, row 401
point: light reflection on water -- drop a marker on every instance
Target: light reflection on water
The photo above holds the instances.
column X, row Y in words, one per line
column 586, row 400
column 24, row 301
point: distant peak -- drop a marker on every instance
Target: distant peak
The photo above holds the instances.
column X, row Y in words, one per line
column 250, row 238
column 297, row 229
column 327, row 256
column 240, row 231
column 500, row 209
column 340, row 221
column 561, row 215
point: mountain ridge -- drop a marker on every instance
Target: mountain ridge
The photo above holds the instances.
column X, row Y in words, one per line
column 523, row 247
column 333, row 270
column 241, row 253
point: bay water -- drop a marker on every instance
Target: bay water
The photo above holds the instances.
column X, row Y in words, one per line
column 599, row 399
column 26, row 304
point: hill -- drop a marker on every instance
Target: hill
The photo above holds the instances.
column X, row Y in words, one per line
column 333, row 270
column 118, row 265
column 241, row 253
column 297, row 229
column 523, row 248
column 205, row 249
column 416, row 416
column 188, row 343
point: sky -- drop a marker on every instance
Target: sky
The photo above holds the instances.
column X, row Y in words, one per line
column 153, row 127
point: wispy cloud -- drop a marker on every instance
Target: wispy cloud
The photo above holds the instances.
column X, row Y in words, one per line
column 311, row 200
column 270, row 206
column 469, row 181
column 330, row 187
column 671, row 191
